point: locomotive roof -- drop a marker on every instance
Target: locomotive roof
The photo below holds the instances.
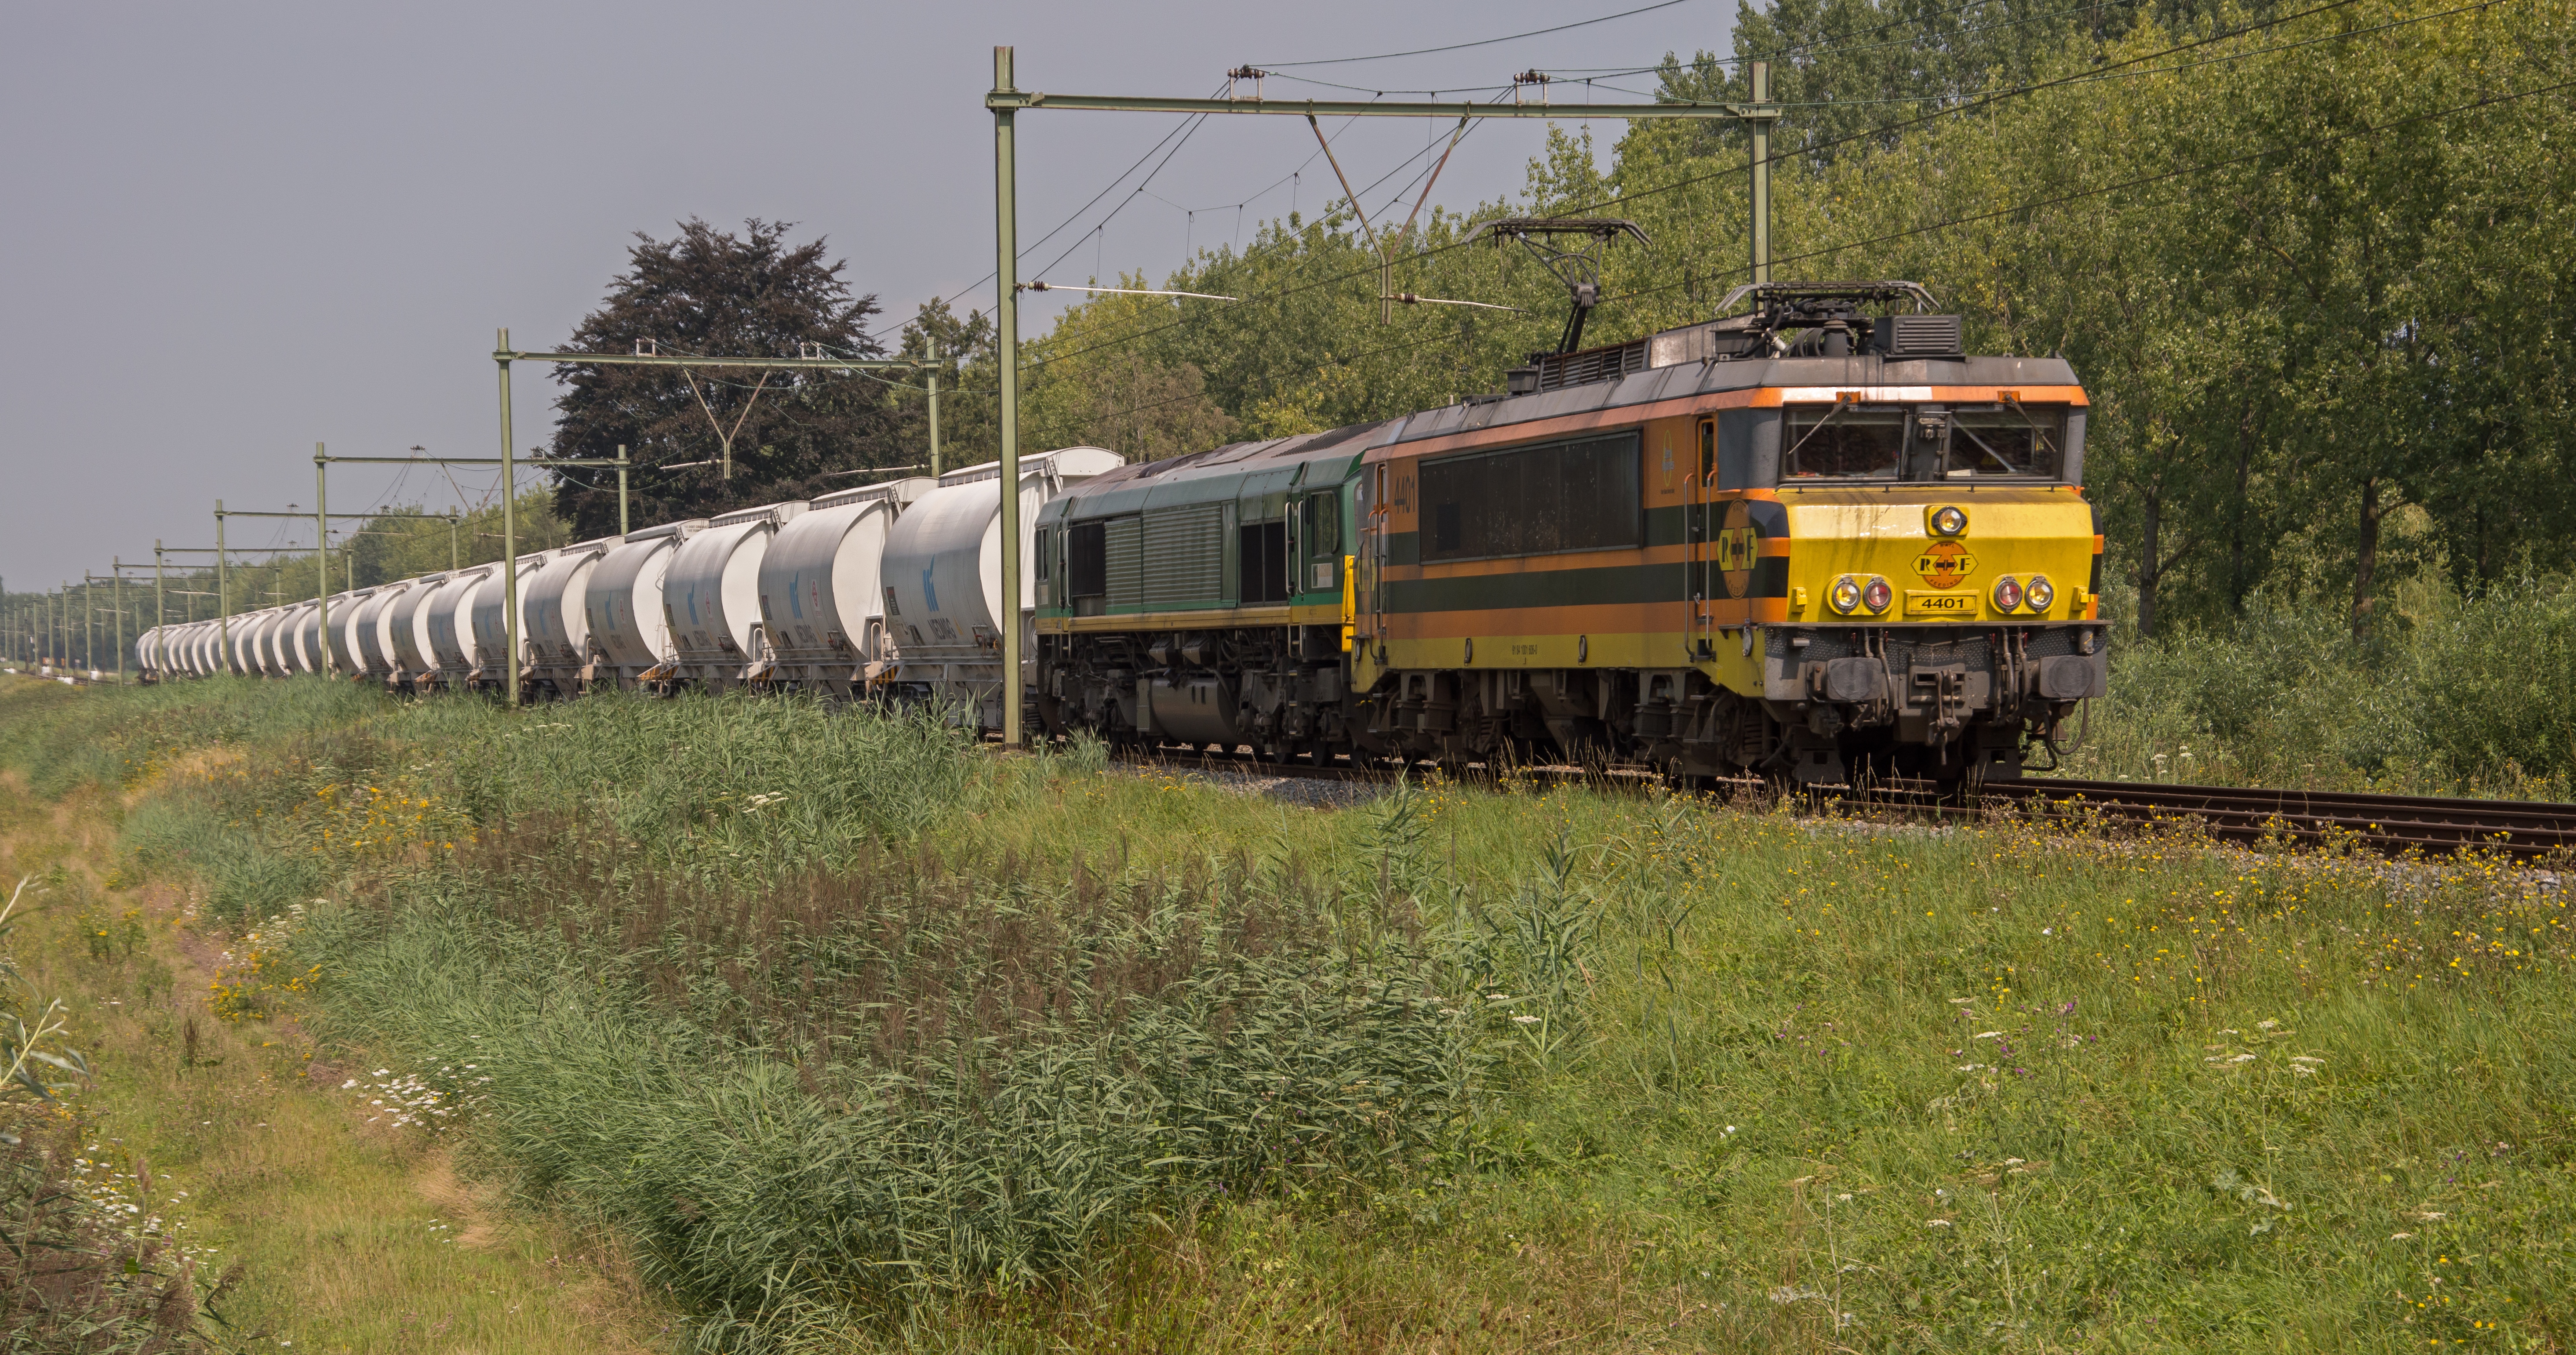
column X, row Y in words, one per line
column 1311, row 458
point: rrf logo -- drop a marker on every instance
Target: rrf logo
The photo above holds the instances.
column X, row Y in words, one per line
column 1735, row 547
column 1945, row 564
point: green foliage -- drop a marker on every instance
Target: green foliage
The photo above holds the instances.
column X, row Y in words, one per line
column 969, row 412
column 2304, row 271
column 2455, row 694
column 69, row 1282
column 717, row 787
column 904, row 1081
column 1095, row 1059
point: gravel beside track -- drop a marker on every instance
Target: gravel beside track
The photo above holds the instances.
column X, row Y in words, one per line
column 2390, row 824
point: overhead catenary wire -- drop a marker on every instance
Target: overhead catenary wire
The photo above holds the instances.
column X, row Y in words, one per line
column 2087, row 77
column 1188, row 127
column 2032, row 205
column 1078, row 213
column 1480, row 42
column 1584, row 208
column 2143, row 180
column 896, row 325
column 2122, row 69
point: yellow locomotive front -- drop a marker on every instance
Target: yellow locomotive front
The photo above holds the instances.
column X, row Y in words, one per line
column 1936, row 609
column 1854, row 551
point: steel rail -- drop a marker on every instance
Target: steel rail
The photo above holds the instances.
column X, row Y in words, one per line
column 2432, row 824
column 2392, row 824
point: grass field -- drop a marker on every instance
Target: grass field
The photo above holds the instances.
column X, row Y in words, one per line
column 722, row 1024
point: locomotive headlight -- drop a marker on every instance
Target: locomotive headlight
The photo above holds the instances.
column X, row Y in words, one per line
column 1845, row 595
column 1877, row 595
column 1949, row 520
column 2038, row 593
column 2007, row 594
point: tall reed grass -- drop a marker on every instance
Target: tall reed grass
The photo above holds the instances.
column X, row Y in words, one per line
column 864, row 1087
column 1030, row 1056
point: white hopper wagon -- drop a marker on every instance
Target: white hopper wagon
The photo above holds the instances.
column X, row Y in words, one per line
column 282, row 642
column 277, row 644
column 229, row 634
column 490, row 627
column 558, row 624
column 623, row 604
column 247, row 632
column 822, row 592
column 403, row 630
column 943, row 582
column 451, row 639
column 375, row 630
column 346, row 611
column 308, row 638
column 711, row 596
column 253, row 630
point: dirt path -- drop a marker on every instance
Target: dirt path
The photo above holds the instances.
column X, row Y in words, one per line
column 344, row 1235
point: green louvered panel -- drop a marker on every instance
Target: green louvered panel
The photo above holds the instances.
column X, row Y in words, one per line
column 1124, row 539
column 1184, row 556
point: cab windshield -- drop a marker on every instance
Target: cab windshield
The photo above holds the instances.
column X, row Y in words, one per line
column 1843, row 442
column 2007, row 439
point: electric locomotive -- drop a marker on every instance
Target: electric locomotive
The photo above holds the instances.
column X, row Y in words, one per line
column 1810, row 542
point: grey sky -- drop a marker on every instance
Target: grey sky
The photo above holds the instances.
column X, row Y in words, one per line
column 229, row 232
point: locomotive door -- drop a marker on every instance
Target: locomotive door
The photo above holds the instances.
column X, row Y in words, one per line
column 1369, row 587
column 1700, row 569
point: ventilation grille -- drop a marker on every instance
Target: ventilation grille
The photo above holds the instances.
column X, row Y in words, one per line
column 1916, row 336
column 1559, row 370
column 1184, row 556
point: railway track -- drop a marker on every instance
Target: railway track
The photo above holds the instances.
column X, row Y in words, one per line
column 2386, row 823
column 2392, row 824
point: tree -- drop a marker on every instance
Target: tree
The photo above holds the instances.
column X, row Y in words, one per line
column 969, row 413
column 1086, row 390
column 710, row 292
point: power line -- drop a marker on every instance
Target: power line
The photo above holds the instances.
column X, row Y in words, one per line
column 2028, row 206
column 1481, row 42
column 1687, row 181
column 1040, row 242
column 2088, row 77
column 2144, row 180
column 1188, row 127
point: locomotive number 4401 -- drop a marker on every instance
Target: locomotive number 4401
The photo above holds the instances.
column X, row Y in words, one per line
column 1920, row 602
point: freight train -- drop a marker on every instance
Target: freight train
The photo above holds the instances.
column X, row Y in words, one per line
column 1811, row 542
